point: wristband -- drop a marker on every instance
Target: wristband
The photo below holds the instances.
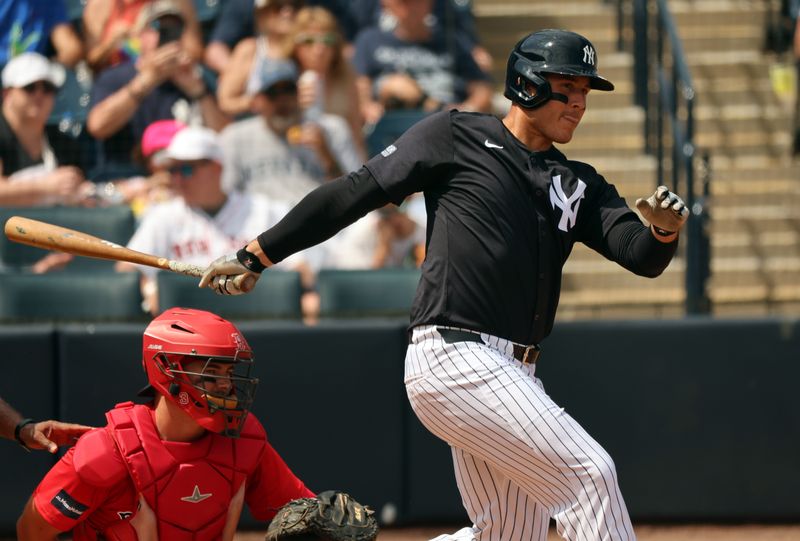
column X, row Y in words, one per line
column 250, row 261
column 18, row 429
column 662, row 232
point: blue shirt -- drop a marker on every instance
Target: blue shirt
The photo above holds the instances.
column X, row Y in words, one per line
column 25, row 26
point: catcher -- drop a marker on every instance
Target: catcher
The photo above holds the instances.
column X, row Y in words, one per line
column 182, row 466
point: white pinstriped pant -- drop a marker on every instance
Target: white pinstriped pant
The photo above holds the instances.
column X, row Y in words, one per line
column 519, row 458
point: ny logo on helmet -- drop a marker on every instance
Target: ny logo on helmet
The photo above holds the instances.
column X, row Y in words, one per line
column 588, row 55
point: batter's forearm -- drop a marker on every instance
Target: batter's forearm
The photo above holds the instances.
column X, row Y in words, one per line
column 635, row 247
column 320, row 215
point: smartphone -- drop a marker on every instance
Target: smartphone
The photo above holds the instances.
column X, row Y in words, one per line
column 169, row 31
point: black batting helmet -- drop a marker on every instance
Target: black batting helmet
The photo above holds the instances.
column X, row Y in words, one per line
column 550, row 51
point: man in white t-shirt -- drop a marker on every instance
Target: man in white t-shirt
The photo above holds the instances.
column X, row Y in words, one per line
column 203, row 221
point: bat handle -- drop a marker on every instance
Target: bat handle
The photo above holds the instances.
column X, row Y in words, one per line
column 185, row 268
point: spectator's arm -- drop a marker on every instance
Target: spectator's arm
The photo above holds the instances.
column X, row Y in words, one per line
column 95, row 16
column 192, row 39
column 68, row 46
column 217, row 56
column 110, row 115
column 232, row 93
column 62, row 185
column 479, row 97
column 371, row 110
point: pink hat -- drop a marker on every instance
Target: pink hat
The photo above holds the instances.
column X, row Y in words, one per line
column 158, row 135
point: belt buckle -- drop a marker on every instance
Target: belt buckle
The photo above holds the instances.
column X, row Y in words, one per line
column 531, row 354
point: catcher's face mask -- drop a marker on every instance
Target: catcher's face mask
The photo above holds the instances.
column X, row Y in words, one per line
column 201, row 363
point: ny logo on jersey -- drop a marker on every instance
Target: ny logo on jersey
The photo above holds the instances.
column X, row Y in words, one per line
column 588, row 55
column 568, row 205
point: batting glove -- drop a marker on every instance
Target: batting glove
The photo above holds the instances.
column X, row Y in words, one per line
column 664, row 210
column 227, row 276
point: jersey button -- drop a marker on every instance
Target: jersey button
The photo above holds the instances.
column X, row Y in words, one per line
column 541, row 276
column 539, row 192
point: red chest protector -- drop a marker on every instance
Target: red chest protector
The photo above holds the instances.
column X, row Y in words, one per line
column 189, row 497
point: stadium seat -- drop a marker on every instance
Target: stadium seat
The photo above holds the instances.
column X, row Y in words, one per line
column 277, row 296
column 115, row 224
column 64, row 297
column 366, row 293
column 391, row 126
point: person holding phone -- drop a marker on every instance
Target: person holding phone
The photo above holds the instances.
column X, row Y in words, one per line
column 165, row 82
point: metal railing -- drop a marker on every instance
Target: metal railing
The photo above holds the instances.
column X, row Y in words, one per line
column 664, row 89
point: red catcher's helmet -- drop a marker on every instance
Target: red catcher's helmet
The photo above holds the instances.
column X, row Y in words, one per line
column 219, row 402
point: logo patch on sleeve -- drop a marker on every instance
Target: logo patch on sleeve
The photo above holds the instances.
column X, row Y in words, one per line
column 68, row 506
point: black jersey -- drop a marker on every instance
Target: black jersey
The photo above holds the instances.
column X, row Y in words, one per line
column 502, row 221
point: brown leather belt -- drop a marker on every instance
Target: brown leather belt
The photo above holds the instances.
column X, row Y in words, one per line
column 524, row 354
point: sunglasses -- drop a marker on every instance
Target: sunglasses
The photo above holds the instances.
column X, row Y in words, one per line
column 281, row 89
column 44, row 86
column 328, row 39
column 185, row 170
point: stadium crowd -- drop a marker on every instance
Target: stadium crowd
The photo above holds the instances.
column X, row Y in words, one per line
column 209, row 122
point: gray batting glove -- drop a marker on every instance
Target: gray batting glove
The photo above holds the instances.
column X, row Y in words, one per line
column 227, row 276
column 664, row 210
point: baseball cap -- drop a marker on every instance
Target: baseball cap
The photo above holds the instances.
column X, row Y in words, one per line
column 28, row 68
column 260, row 4
column 193, row 143
column 155, row 10
column 158, row 135
column 276, row 71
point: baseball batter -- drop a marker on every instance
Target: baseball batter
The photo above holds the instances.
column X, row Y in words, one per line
column 504, row 209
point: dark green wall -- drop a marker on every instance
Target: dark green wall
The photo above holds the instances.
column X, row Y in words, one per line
column 701, row 416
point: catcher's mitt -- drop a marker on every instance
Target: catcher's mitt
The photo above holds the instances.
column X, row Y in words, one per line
column 331, row 515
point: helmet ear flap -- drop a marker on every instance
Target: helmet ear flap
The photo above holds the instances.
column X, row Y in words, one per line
column 518, row 77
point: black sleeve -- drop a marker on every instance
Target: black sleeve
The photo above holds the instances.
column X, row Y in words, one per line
column 322, row 213
column 417, row 159
column 632, row 245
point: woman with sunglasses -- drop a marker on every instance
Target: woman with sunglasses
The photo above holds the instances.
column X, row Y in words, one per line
column 316, row 46
column 273, row 21
column 35, row 168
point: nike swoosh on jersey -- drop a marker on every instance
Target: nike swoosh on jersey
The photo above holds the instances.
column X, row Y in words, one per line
column 489, row 144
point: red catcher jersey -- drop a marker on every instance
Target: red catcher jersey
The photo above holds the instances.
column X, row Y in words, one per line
column 97, row 493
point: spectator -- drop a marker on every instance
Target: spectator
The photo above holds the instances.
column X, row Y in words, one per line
column 385, row 238
column 35, row 168
column 163, row 83
column 109, row 30
column 275, row 152
column 454, row 17
column 392, row 63
column 327, row 81
column 203, row 221
column 236, row 22
column 240, row 77
column 40, row 26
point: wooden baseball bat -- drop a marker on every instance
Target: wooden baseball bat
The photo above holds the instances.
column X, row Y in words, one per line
column 54, row 237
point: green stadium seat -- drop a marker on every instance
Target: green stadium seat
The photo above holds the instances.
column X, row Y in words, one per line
column 62, row 297
column 115, row 224
column 276, row 296
column 366, row 293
